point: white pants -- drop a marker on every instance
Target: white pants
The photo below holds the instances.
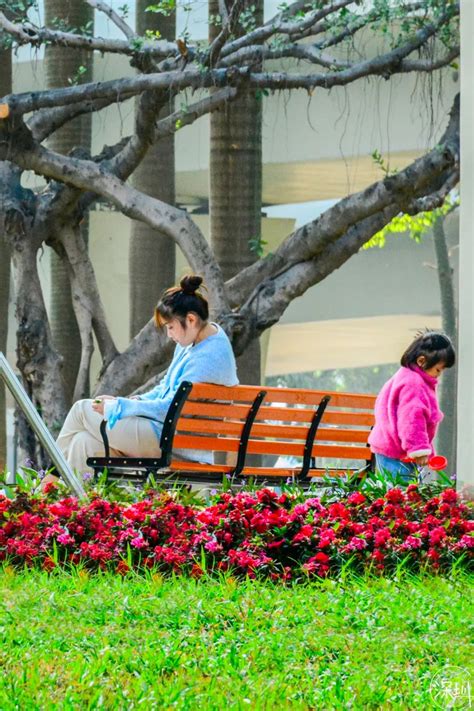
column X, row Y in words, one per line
column 80, row 437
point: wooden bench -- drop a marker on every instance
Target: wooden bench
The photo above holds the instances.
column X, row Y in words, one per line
column 314, row 431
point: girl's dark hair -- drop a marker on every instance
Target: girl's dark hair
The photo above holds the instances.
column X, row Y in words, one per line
column 435, row 347
column 179, row 301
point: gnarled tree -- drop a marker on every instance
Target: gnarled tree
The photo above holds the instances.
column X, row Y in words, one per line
column 421, row 37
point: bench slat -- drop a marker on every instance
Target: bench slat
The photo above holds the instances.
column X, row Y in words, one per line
column 195, row 467
column 288, row 395
column 208, row 409
column 229, row 427
column 228, row 444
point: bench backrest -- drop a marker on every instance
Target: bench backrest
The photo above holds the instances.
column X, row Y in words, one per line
column 216, row 417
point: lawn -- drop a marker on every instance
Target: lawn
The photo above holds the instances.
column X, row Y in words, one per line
column 89, row 641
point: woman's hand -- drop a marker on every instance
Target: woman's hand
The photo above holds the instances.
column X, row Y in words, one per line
column 99, row 402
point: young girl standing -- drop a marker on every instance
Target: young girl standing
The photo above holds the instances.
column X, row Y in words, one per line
column 406, row 410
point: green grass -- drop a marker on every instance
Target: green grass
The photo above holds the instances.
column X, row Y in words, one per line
column 86, row 642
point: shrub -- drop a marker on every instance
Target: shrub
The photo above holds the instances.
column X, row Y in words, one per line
column 257, row 533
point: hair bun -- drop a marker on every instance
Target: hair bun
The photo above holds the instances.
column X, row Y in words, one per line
column 190, row 284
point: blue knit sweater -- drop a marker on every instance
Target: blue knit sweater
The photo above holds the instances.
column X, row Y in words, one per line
column 210, row 361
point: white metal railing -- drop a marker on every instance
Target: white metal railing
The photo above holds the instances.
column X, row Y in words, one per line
column 39, row 428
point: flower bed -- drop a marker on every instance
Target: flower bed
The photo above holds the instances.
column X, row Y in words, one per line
column 255, row 534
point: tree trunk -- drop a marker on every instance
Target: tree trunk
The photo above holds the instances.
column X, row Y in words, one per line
column 236, row 189
column 5, row 88
column 65, row 66
column 446, row 440
column 152, row 255
column 37, row 360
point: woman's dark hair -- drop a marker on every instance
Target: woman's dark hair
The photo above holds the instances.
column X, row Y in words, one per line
column 435, row 347
column 179, row 301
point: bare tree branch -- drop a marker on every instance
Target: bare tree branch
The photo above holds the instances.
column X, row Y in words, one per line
column 118, row 89
column 166, row 219
column 269, row 300
column 148, row 353
column 431, row 202
column 178, row 119
column 46, row 121
column 125, row 161
column 417, row 180
column 249, row 55
column 29, row 34
column 113, row 16
column 228, row 28
column 280, row 26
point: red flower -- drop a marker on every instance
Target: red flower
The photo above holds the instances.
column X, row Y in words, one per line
column 338, row 510
column 304, row 534
column 433, row 555
column 49, row 488
column 378, row 556
column 259, row 522
column 437, row 535
column 356, row 499
column 382, row 536
column 449, row 496
column 327, row 537
column 395, row 496
column 412, row 493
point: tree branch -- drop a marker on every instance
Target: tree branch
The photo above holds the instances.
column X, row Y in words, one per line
column 130, row 156
column 383, row 65
column 114, row 17
column 228, row 28
column 148, row 352
column 280, row 26
column 46, row 121
column 166, row 219
column 27, row 33
column 118, row 89
column 178, row 119
column 249, row 55
column 417, row 180
column 269, row 300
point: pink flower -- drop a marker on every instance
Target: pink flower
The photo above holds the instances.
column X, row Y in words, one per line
column 357, row 544
column 138, row 542
column 466, row 541
column 213, row 547
column 65, row 539
column 411, row 543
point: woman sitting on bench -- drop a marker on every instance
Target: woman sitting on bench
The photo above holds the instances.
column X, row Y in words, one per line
column 203, row 354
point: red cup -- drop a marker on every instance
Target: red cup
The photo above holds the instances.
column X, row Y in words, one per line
column 437, row 462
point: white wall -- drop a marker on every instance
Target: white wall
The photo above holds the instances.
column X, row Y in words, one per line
column 465, row 459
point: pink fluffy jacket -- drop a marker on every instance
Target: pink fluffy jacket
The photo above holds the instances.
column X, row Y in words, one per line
column 406, row 415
